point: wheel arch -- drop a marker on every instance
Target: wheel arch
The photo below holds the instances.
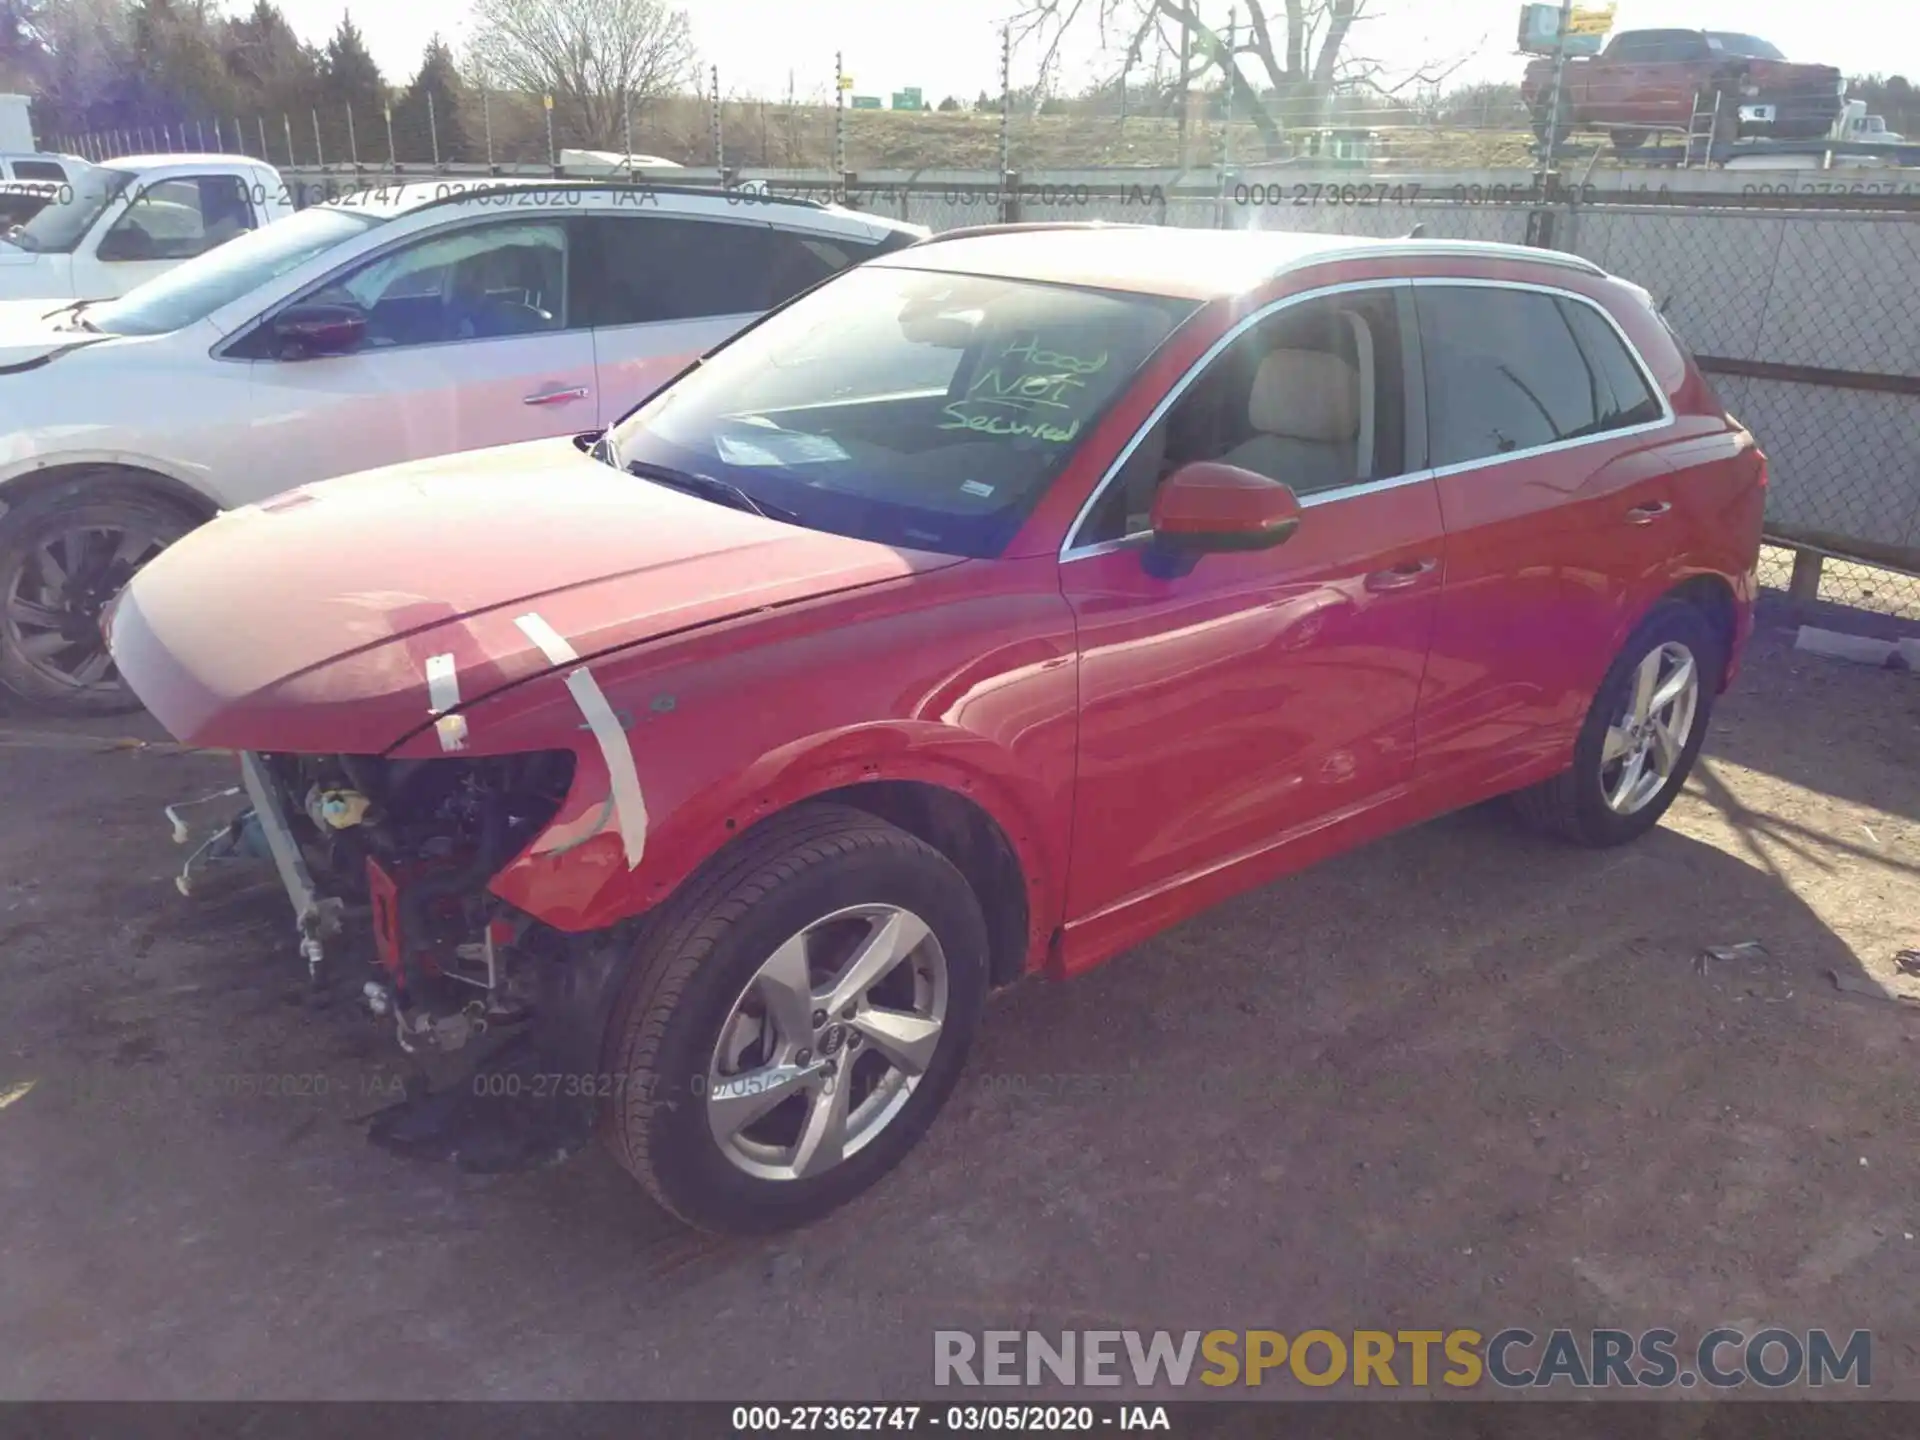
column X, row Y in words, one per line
column 33, row 486
column 1713, row 597
column 968, row 835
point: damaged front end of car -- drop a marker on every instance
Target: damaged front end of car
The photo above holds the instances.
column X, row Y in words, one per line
column 387, row 864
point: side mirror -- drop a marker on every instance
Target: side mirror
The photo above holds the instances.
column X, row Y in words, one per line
column 306, row 331
column 1207, row 507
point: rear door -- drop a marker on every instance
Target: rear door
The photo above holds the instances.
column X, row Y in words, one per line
column 469, row 344
column 659, row 290
column 1554, row 476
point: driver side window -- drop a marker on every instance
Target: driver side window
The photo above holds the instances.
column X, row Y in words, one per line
column 1313, row 396
column 179, row 219
column 478, row 282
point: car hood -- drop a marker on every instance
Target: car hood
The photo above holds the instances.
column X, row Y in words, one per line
column 31, row 334
column 305, row 623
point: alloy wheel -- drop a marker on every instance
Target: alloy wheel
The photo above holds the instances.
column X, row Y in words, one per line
column 825, row 1045
column 1644, row 746
column 57, row 594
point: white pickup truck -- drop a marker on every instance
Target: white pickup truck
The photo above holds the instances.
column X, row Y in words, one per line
column 113, row 226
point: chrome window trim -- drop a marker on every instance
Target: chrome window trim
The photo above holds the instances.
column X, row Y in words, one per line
column 1070, row 552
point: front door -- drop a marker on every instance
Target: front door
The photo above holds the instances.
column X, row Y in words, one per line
column 469, row 344
column 1261, row 697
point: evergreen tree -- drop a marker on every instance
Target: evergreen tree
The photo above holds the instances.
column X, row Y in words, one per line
column 413, row 134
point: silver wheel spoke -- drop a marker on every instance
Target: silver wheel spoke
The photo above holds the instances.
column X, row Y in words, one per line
column 94, row 668
column 1622, row 796
column 736, row 1101
column 1667, row 747
column 909, row 1041
column 1674, row 687
column 53, row 571
column 885, row 948
column 784, row 986
column 823, row 1142
column 44, row 645
column 25, row 612
column 1645, row 679
column 1616, row 745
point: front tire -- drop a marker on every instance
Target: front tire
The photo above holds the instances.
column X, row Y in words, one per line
column 793, row 1021
column 1641, row 736
column 63, row 557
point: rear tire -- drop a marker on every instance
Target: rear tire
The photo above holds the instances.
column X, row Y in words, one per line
column 699, row 1033
column 1595, row 802
column 1627, row 139
column 51, row 653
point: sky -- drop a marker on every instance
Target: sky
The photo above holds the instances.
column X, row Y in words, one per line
column 952, row 46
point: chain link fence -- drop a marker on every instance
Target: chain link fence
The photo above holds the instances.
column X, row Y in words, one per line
column 1802, row 307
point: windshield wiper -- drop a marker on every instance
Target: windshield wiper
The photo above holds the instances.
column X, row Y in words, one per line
column 73, row 310
column 723, row 492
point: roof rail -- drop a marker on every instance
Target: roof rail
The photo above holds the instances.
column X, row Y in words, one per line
column 481, row 185
column 1488, row 249
column 967, row 232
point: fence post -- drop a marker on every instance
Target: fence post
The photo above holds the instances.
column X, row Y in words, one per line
column 433, row 133
column 1009, row 202
column 353, row 142
column 1550, row 142
column 553, row 158
column 393, row 160
column 319, row 155
column 1804, row 584
column 286, row 124
column 719, row 120
column 626, row 117
column 486, row 119
column 839, row 114
column 1229, row 70
column 261, row 121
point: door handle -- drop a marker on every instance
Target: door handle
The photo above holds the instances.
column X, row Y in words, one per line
column 1411, row 572
column 1648, row 513
column 557, row 397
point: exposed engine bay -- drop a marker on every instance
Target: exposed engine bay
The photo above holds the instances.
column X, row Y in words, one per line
column 387, row 865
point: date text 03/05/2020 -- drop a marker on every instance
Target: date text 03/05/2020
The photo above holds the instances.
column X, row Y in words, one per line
column 952, row 1419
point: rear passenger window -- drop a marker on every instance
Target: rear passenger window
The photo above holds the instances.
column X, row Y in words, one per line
column 1621, row 390
column 1510, row 370
column 38, row 170
column 643, row 269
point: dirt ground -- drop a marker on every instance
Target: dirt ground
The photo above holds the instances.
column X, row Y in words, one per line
column 1460, row 1078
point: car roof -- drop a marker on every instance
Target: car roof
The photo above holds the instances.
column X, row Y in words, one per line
column 1178, row 262
column 149, row 162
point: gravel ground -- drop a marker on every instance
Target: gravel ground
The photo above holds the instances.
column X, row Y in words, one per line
column 1461, row 1078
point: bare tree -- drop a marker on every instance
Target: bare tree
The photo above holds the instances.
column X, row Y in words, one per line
column 1300, row 60
column 597, row 58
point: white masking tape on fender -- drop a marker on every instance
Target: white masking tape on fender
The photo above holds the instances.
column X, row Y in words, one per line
column 443, row 694
column 629, row 804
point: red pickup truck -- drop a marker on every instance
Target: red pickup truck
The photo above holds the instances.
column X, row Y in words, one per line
column 1647, row 80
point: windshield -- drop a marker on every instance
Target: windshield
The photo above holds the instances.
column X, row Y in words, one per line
column 1725, row 43
column 191, row 291
column 915, row 408
column 61, row 224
